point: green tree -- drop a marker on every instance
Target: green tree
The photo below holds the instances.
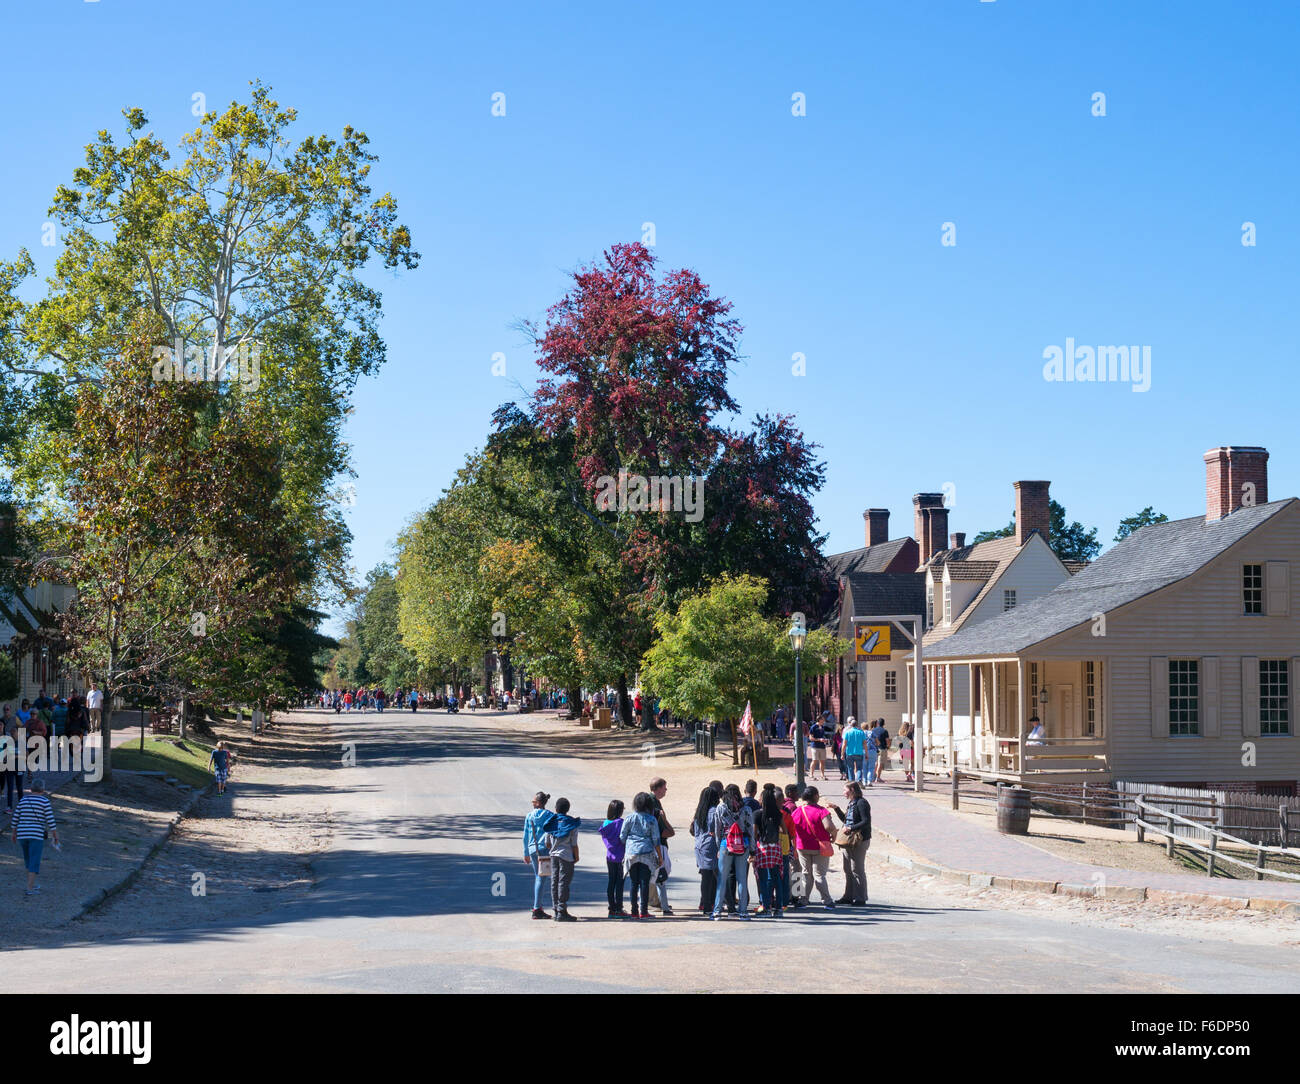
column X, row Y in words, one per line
column 169, row 556
column 8, row 678
column 1069, row 541
column 718, row 650
column 1137, row 521
column 247, row 252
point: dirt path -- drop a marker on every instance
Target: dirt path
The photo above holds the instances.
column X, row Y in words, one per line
column 238, row 855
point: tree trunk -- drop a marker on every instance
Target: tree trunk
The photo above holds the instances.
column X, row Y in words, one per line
column 647, row 721
column 574, row 697
column 185, row 710
column 624, row 702
column 735, row 746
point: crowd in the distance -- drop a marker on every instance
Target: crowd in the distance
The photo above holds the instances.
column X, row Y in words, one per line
column 786, row 838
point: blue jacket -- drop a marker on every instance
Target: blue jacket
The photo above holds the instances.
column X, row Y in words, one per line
column 641, row 834
column 541, row 822
column 706, row 848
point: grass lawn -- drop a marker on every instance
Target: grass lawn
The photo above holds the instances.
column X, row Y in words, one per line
column 186, row 760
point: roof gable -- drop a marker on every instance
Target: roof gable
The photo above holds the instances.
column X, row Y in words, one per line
column 1153, row 557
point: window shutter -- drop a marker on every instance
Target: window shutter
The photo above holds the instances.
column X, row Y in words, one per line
column 1210, row 697
column 1160, row 697
column 1250, row 697
column 1277, row 588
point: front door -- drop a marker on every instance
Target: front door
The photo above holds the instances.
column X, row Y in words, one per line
column 1066, row 726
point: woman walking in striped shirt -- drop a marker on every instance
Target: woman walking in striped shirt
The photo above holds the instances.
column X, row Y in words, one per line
column 33, row 818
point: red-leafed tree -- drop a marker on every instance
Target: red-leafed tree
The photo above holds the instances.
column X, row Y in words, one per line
column 637, row 376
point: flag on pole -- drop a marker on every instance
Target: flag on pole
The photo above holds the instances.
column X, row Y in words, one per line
column 746, row 720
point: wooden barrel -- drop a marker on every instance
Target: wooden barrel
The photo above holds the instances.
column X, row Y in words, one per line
column 1013, row 811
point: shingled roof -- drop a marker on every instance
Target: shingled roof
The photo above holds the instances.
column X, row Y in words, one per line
column 875, row 558
column 881, row 593
column 1151, row 558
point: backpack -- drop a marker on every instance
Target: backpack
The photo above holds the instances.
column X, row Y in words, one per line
column 735, row 838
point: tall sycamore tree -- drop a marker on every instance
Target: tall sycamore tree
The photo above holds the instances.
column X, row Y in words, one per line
column 168, row 532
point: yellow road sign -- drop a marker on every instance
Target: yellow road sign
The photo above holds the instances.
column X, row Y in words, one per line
column 871, row 642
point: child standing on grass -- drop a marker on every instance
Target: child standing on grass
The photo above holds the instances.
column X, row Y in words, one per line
column 562, row 841
column 615, row 848
column 219, row 762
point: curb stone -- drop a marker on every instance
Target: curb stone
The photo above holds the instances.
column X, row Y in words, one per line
column 1132, row 894
column 130, row 876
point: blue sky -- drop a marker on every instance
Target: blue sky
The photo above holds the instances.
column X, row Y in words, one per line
column 924, row 361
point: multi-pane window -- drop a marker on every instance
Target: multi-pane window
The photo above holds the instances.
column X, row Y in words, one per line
column 929, row 603
column 1033, row 688
column 1274, row 697
column 940, row 689
column 891, row 684
column 1252, row 588
column 1008, row 599
column 1184, row 696
column 947, row 602
column 1090, row 695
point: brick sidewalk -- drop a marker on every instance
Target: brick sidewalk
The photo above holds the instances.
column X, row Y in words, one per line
column 957, row 844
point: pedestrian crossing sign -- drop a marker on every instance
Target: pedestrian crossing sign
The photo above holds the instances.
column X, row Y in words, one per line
column 871, row 642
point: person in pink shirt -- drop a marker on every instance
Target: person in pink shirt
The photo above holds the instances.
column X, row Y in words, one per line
column 812, row 839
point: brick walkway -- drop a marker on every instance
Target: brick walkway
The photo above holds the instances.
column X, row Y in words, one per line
column 958, row 844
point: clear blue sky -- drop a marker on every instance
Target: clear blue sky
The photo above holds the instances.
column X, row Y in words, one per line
column 924, row 362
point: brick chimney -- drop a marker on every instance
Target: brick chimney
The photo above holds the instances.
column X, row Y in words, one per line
column 1033, row 511
column 876, row 521
column 930, row 519
column 1235, row 476
column 959, row 540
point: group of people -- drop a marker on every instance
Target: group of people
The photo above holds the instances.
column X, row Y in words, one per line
column 364, row 699
column 788, row 838
column 861, row 752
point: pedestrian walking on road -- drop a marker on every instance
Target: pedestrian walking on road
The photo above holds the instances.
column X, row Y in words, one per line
column 706, row 848
column 11, row 776
column 562, row 846
column 219, row 764
column 615, row 851
column 881, row 737
column 33, row 821
column 853, row 840
column 812, row 830
column 855, row 742
column 415, row 700
column 640, row 835
column 906, row 749
column 95, row 706
column 817, row 746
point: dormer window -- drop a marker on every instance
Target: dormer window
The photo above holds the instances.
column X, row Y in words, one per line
column 947, row 603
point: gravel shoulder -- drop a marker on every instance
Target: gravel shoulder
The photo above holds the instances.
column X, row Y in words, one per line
column 235, row 857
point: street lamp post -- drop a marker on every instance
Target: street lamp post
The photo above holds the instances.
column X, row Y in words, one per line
column 798, row 633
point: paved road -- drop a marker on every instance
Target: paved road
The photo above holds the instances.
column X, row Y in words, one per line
column 423, row 889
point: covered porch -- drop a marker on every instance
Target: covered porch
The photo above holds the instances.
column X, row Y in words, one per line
column 977, row 717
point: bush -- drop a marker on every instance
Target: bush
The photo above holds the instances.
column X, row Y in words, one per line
column 8, row 678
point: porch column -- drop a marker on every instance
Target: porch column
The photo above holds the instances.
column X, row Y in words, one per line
column 1021, row 715
column 950, row 702
column 972, row 756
